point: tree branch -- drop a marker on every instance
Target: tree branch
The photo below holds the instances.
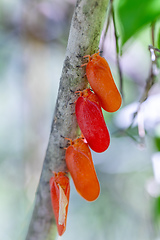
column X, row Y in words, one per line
column 86, row 27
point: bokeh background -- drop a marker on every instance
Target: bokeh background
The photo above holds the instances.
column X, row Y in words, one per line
column 33, row 40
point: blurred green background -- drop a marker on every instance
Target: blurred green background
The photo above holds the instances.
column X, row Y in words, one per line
column 33, row 40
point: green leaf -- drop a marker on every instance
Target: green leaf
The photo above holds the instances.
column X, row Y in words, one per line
column 157, row 142
column 158, row 39
column 156, row 211
column 157, row 137
column 135, row 14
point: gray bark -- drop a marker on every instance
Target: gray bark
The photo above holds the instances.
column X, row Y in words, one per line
column 86, row 27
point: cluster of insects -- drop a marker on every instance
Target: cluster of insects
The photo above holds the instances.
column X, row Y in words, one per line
column 95, row 134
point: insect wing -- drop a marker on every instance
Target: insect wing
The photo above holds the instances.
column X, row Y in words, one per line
column 101, row 80
column 60, row 190
column 81, row 168
column 91, row 122
column 63, row 203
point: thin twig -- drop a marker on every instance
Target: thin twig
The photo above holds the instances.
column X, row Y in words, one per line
column 109, row 16
column 152, row 75
column 155, row 49
column 149, row 83
column 125, row 132
column 151, row 79
column 107, row 23
column 117, row 50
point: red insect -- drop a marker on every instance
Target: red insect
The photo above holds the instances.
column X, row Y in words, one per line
column 60, row 190
column 91, row 122
column 81, row 167
column 100, row 78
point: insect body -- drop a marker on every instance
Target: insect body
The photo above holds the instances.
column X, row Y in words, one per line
column 80, row 165
column 100, row 78
column 91, row 122
column 60, row 190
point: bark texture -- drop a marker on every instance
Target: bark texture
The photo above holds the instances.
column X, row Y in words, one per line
column 86, row 27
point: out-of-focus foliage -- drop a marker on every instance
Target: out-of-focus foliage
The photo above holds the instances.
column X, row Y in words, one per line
column 156, row 211
column 158, row 39
column 33, row 39
column 135, row 14
column 157, row 141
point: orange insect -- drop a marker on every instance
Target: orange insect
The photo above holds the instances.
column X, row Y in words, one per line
column 100, row 78
column 80, row 165
column 91, row 121
column 60, row 191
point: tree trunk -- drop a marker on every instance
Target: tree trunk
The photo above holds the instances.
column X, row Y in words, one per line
column 86, row 27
